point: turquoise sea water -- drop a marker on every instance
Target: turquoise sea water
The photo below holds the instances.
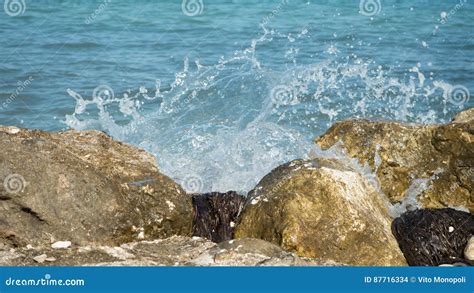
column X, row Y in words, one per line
column 223, row 91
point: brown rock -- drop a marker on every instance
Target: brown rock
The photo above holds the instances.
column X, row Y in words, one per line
column 321, row 209
column 84, row 187
column 464, row 116
column 443, row 155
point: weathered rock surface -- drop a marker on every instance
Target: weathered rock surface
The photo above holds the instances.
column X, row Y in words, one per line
column 86, row 188
column 400, row 154
column 173, row 251
column 469, row 250
column 464, row 116
column 322, row 209
column 431, row 237
column 215, row 214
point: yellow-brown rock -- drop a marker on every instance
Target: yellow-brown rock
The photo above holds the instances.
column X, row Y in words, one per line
column 401, row 153
column 321, row 209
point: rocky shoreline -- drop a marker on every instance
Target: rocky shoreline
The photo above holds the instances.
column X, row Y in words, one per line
column 396, row 194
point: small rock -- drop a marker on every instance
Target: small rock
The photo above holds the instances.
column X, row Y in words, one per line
column 13, row 130
column 469, row 250
column 141, row 235
column 40, row 258
column 457, row 264
column 61, row 244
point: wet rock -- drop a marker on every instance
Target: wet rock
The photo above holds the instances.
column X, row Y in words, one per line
column 407, row 156
column 431, row 237
column 215, row 214
column 321, row 209
column 85, row 187
column 173, row 251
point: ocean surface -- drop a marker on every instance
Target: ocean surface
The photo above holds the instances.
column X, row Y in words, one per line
column 221, row 92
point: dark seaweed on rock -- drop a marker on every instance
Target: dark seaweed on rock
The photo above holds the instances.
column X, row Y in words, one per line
column 215, row 214
column 431, row 237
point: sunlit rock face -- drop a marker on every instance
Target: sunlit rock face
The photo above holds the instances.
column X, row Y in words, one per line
column 321, row 208
column 434, row 161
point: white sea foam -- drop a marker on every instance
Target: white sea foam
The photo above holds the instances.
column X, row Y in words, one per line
column 232, row 122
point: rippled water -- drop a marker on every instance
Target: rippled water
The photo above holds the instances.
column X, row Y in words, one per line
column 223, row 91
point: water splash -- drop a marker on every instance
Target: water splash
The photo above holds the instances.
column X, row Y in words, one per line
column 228, row 124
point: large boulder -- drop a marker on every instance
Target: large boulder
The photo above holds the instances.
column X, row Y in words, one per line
column 84, row 187
column 437, row 158
column 432, row 237
column 324, row 209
